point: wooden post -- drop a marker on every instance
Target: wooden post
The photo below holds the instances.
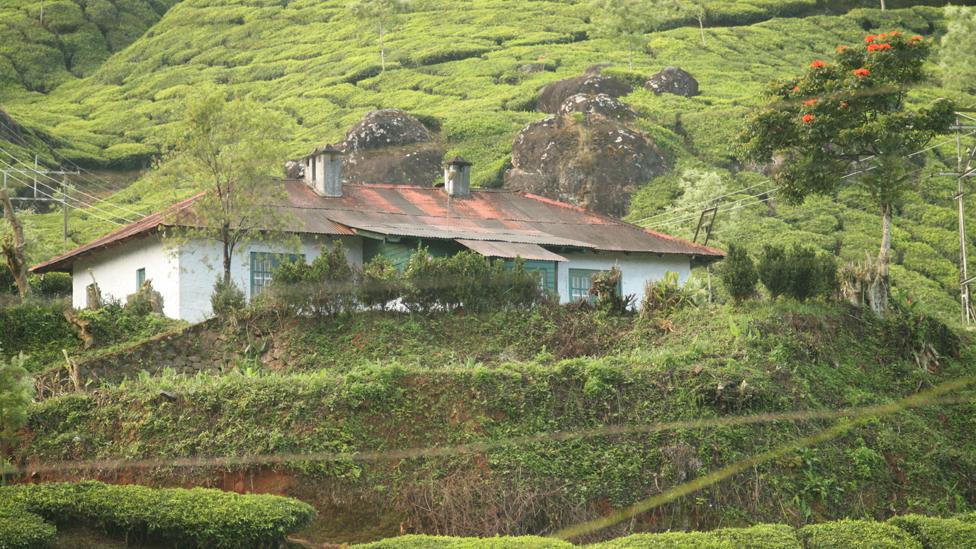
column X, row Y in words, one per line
column 64, row 206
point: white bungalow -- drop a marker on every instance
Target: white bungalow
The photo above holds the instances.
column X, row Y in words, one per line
column 564, row 243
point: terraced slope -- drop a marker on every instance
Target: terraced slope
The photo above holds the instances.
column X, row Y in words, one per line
column 472, row 71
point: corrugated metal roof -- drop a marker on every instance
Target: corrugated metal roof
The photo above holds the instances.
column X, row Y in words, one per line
column 424, row 212
column 510, row 250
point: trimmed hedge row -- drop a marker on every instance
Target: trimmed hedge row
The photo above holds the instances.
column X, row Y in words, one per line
column 905, row 532
column 20, row 529
column 197, row 517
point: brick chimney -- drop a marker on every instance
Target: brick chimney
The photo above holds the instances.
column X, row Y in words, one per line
column 457, row 177
column 323, row 171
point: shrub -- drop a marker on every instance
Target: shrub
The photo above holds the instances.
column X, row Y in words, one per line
column 738, row 274
column 324, row 287
column 35, row 326
column 762, row 536
column 664, row 296
column 20, row 529
column 856, row 534
column 381, row 282
column 227, row 298
column 800, row 273
column 146, row 300
column 51, row 285
column 606, row 289
column 667, row 540
column 197, row 517
column 16, row 394
column 774, row 270
column 444, row 542
column 938, row 533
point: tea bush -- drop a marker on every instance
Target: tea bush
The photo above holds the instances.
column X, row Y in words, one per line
column 856, row 534
column 227, row 299
column 800, row 272
column 196, row 517
column 20, row 529
column 444, row 542
column 938, row 533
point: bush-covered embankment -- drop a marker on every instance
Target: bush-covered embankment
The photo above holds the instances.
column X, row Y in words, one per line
column 704, row 363
column 903, row 532
column 184, row 518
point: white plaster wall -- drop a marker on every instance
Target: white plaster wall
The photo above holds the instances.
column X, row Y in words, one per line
column 635, row 268
column 114, row 269
column 201, row 262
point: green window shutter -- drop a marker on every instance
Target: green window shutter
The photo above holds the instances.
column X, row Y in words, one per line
column 140, row 277
column 545, row 269
column 263, row 265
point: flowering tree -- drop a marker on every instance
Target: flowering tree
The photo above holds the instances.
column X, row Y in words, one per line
column 846, row 122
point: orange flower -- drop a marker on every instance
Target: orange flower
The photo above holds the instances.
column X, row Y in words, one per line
column 870, row 38
column 917, row 38
column 894, row 34
column 807, row 118
column 810, row 102
column 861, row 72
column 796, row 89
column 818, row 64
column 878, row 47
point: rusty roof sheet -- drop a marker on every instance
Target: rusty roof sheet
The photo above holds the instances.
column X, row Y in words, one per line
column 425, row 212
column 510, row 250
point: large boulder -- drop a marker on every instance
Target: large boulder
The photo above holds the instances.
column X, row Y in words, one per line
column 595, row 161
column 601, row 105
column 673, row 80
column 391, row 146
column 593, row 83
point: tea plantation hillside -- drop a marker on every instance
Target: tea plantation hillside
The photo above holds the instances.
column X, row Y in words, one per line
column 472, row 72
column 363, row 411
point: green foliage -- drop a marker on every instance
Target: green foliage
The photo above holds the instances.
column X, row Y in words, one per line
column 937, row 533
column 958, row 45
column 51, row 285
column 37, row 327
column 114, row 323
column 16, row 394
column 668, row 540
column 230, row 149
column 663, row 297
column 197, row 517
column 443, row 542
column 605, row 289
column 146, row 300
column 738, row 274
column 380, row 284
column 856, row 534
column 20, row 529
column 227, row 299
column 467, row 280
column 800, row 273
column 325, row 287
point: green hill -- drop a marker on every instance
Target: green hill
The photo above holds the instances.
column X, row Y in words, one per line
column 472, row 71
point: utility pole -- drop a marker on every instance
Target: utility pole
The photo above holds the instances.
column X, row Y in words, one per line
column 964, row 171
column 63, row 199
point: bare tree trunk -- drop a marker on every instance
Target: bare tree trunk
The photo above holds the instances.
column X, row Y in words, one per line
column 382, row 51
column 882, row 5
column 878, row 293
column 13, row 250
column 228, row 251
column 701, row 29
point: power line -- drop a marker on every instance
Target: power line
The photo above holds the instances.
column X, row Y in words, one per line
column 63, row 201
column 67, row 195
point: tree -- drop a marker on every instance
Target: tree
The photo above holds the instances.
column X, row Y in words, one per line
column 627, row 21
column 696, row 9
column 738, row 274
column 12, row 246
column 958, row 51
column 230, row 149
column 16, row 394
column 846, row 123
column 385, row 14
